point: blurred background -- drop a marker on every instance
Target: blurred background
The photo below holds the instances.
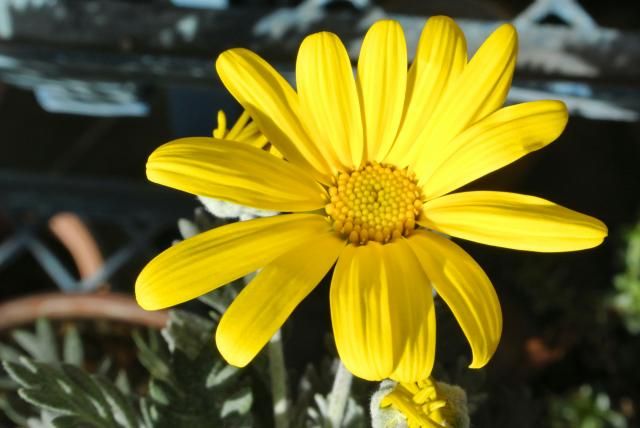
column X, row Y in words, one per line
column 89, row 88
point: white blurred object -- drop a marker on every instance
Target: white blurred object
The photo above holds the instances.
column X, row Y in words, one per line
column 107, row 99
column 222, row 209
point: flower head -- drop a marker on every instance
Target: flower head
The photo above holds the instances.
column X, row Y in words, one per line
column 426, row 403
column 364, row 180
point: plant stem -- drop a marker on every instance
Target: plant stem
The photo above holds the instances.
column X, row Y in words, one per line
column 278, row 374
column 339, row 395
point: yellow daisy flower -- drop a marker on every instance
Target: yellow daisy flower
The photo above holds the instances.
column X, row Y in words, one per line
column 364, row 183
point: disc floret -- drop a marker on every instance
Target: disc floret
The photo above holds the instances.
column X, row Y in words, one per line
column 376, row 202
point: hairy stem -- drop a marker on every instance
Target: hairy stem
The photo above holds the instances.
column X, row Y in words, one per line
column 278, row 374
column 339, row 395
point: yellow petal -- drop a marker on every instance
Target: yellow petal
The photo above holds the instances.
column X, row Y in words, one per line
column 496, row 141
column 221, row 129
column 381, row 307
column 267, row 301
column 237, row 128
column 382, row 80
column 511, row 220
column 360, row 313
column 414, row 315
column 234, row 172
column 273, row 105
column 500, row 91
column 478, row 91
column 440, row 58
column 463, row 285
column 214, row 258
column 329, row 98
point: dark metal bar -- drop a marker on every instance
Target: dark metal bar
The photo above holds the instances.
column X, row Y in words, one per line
column 141, row 210
column 110, row 199
column 50, row 263
column 12, row 247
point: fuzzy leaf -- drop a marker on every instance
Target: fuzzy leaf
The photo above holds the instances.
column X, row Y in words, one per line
column 187, row 332
column 239, row 403
column 202, row 390
column 122, row 382
column 24, row 374
column 220, row 299
column 73, row 396
column 220, row 374
column 72, row 349
column 10, row 407
column 40, row 345
column 121, row 409
column 153, row 356
column 8, row 353
column 72, row 422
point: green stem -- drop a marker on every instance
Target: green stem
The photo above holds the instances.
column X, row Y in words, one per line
column 339, row 395
column 278, row 373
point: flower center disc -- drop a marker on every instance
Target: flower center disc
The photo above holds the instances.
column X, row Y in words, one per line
column 377, row 202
